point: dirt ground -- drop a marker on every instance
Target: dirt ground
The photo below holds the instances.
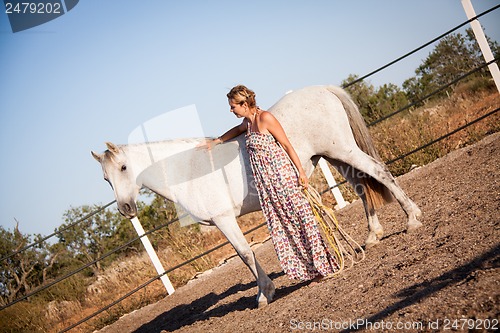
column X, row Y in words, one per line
column 443, row 277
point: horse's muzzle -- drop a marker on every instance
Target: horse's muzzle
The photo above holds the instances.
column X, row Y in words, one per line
column 129, row 210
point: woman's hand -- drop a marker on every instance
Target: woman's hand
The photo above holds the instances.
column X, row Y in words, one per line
column 209, row 144
column 303, row 181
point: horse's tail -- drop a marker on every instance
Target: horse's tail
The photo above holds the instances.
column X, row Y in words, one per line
column 376, row 194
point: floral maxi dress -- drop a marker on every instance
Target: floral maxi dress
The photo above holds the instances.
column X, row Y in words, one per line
column 291, row 223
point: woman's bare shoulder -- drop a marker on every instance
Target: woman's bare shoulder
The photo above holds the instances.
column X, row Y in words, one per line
column 266, row 116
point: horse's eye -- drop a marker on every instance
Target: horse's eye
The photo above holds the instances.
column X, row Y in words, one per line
column 124, row 167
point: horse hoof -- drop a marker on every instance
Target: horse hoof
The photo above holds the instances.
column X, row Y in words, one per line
column 414, row 225
column 262, row 299
column 262, row 304
column 371, row 242
column 374, row 238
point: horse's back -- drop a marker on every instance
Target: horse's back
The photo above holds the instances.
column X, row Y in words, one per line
column 314, row 118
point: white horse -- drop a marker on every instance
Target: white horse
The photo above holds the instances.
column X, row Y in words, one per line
column 216, row 185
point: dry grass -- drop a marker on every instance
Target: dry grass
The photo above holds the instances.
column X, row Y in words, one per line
column 392, row 137
column 175, row 247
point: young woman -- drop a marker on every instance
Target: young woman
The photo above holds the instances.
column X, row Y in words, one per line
column 279, row 178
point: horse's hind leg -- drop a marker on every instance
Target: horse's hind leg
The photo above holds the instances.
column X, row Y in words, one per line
column 367, row 164
column 229, row 227
column 375, row 229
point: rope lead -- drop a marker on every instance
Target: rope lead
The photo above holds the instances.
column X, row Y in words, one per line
column 344, row 247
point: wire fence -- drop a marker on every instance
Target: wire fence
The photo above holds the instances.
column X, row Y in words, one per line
column 402, row 156
column 422, row 46
column 78, row 270
column 59, row 231
column 130, row 293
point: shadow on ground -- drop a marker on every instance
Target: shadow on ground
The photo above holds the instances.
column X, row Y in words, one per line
column 201, row 309
column 419, row 291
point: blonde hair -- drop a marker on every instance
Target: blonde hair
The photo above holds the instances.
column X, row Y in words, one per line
column 241, row 94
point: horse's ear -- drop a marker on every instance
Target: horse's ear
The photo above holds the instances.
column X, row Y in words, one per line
column 97, row 157
column 112, row 147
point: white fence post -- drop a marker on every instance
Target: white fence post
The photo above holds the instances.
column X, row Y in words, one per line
column 483, row 43
column 152, row 254
column 331, row 183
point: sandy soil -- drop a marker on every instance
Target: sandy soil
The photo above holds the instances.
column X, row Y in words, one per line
column 443, row 277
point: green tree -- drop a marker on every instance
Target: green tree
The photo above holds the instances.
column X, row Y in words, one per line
column 453, row 56
column 90, row 239
column 159, row 212
column 375, row 103
column 22, row 272
column 361, row 93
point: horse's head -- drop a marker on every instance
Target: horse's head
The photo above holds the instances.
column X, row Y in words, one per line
column 121, row 178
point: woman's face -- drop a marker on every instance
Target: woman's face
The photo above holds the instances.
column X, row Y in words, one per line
column 239, row 110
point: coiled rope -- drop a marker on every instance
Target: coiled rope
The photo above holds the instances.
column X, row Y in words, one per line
column 343, row 246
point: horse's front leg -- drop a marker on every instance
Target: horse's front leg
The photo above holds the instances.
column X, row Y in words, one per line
column 229, row 227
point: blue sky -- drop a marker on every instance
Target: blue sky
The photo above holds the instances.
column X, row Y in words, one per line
column 102, row 69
